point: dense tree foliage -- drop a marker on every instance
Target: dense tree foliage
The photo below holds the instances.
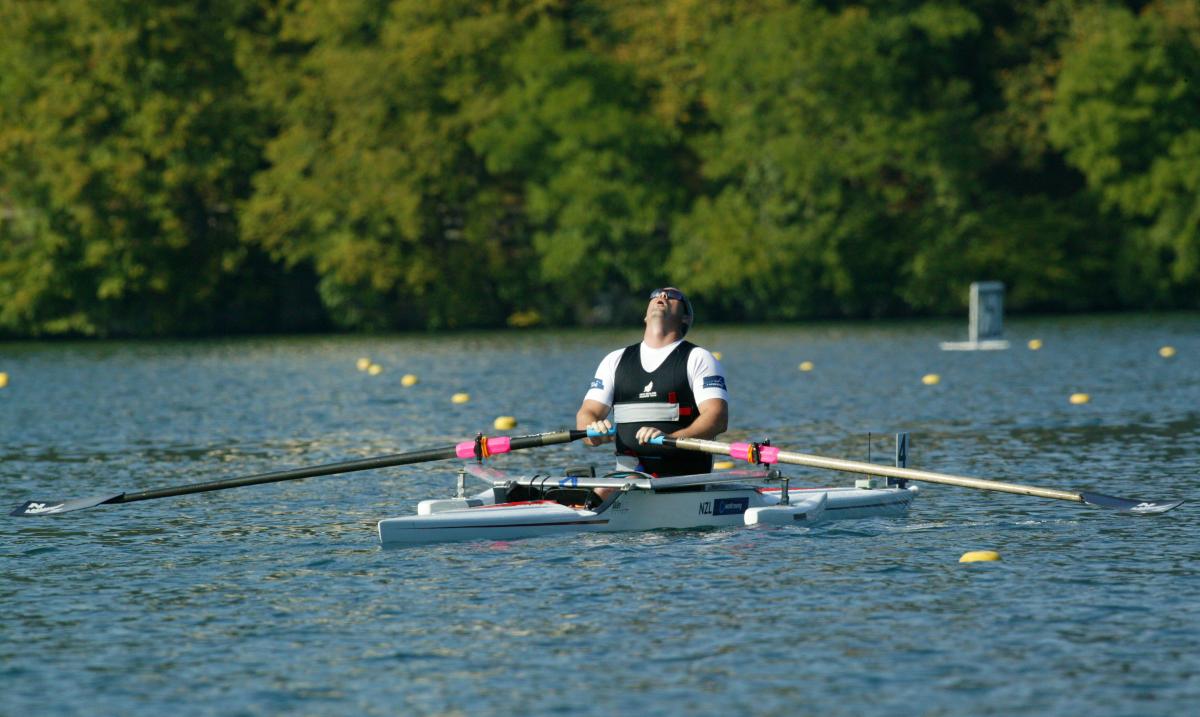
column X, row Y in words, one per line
column 175, row 167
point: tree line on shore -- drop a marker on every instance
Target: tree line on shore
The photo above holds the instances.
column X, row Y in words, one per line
column 179, row 167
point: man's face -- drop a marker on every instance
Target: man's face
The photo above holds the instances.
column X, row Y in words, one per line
column 663, row 305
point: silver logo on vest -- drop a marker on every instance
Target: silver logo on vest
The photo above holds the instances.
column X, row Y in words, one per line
column 648, row 391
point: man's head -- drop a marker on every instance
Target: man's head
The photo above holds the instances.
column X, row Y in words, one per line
column 672, row 302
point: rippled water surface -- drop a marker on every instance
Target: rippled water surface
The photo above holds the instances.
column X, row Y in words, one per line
column 277, row 598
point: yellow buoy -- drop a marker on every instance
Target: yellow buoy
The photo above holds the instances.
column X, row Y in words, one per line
column 374, row 369
column 717, row 355
column 504, row 423
column 363, row 363
column 1166, row 351
column 1035, row 344
column 722, row 465
column 408, row 380
column 931, row 379
column 1080, row 398
column 806, row 365
column 3, row 379
column 460, row 398
column 979, row 556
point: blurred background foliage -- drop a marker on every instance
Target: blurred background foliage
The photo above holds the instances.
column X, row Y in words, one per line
column 177, row 167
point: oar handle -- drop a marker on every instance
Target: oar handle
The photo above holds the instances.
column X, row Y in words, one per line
column 483, row 447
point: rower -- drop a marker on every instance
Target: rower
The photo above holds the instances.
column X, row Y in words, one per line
column 663, row 385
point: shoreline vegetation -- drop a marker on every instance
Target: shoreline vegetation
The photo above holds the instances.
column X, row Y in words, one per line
column 259, row 167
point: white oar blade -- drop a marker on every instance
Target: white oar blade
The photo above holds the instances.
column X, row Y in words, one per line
column 1127, row 505
column 32, row 508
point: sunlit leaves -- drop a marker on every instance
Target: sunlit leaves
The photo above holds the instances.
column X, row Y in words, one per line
column 446, row 163
column 125, row 136
column 1127, row 116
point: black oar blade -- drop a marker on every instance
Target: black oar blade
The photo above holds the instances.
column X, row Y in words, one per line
column 1125, row 505
column 33, row 508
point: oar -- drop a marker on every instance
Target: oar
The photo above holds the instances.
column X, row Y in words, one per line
column 770, row 454
column 480, row 447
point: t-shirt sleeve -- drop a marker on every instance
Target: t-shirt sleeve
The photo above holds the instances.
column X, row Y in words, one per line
column 706, row 376
column 601, row 388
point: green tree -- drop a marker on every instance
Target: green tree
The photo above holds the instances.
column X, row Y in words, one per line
column 1126, row 115
column 125, row 140
column 597, row 174
column 843, row 144
column 866, row 161
column 370, row 178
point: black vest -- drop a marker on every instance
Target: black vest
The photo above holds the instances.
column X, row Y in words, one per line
column 663, row 399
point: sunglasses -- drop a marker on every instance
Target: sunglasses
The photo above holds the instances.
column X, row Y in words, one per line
column 675, row 294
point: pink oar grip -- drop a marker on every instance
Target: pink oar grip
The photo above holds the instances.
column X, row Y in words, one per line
column 766, row 454
column 502, row 444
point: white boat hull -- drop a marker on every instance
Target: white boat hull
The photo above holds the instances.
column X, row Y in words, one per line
column 718, row 506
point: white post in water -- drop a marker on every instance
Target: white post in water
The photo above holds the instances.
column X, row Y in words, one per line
column 985, row 329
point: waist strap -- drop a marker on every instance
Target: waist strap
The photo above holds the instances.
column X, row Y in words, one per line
column 645, row 412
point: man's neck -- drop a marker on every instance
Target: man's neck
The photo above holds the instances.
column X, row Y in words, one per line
column 657, row 337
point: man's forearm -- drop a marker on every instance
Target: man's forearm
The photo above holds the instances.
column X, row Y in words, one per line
column 708, row 425
column 589, row 413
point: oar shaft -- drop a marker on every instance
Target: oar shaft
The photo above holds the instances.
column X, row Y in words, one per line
column 926, row 476
column 498, row 445
column 398, row 459
column 838, row 464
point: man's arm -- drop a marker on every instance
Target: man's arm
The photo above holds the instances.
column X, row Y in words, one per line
column 712, row 422
column 593, row 414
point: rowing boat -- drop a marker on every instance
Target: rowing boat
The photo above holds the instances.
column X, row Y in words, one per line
column 527, row 506
column 520, row 506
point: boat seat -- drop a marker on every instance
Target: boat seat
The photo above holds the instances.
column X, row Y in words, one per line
column 573, row 496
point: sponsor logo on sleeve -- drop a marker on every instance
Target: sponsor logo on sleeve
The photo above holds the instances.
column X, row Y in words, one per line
column 597, row 383
column 714, row 382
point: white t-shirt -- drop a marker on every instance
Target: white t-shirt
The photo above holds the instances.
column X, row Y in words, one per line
column 704, row 371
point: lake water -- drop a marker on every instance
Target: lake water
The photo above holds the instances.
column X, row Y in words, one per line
column 277, row 599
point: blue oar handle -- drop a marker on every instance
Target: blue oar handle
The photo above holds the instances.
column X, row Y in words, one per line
column 597, row 434
column 656, row 441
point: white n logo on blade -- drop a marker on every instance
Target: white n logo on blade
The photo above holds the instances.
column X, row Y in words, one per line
column 40, row 508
